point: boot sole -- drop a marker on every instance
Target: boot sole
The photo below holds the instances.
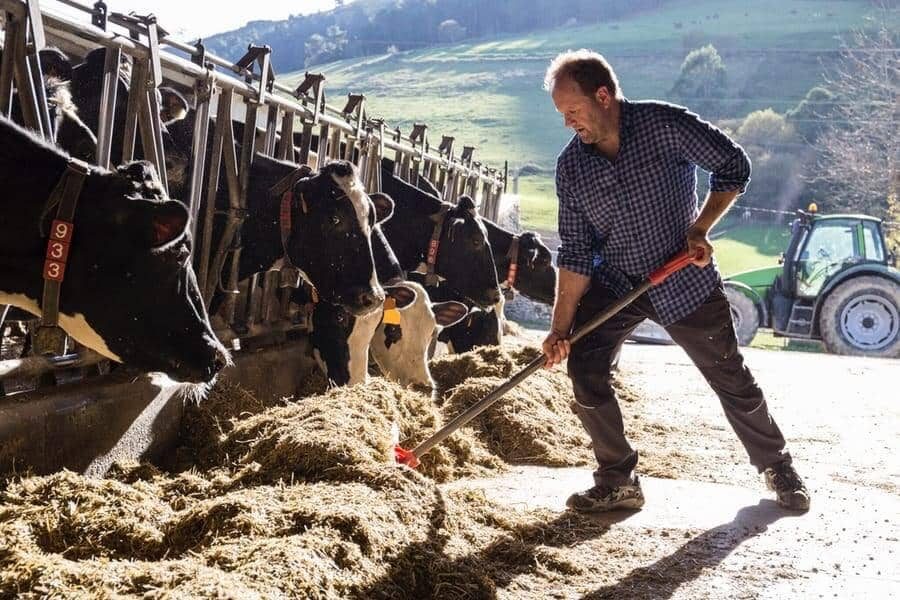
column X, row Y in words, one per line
column 629, row 504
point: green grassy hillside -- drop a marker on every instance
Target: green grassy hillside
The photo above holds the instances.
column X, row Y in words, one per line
column 488, row 93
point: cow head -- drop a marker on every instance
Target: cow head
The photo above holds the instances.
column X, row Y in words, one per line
column 130, row 292
column 405, row 359
column 478, row 328
column 341, row 342
column 536, row 275
column 464, row 258
column 332, row 205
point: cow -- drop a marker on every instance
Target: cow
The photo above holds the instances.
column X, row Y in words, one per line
column 462, row 257
column 129, row 291
column 524, row 264
column 329, row 237
column 397, row 338
column 343, row 343
column 87, row 80
column 533, row 275
column 72, row 135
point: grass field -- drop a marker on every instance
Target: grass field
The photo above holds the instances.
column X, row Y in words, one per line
column 488, row 93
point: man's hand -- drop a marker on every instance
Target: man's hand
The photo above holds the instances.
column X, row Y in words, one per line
column 698, row 246
column 556, row 347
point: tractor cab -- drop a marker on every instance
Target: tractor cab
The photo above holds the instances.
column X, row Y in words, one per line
column 822, row 252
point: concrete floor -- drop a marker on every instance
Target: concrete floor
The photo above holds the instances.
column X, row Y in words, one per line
column 840, row 416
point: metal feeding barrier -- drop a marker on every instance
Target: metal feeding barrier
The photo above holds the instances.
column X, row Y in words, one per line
column 290, row 123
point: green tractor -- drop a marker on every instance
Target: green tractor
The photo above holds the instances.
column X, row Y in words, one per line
column 835, row 283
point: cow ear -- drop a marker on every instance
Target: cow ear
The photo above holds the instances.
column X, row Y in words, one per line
column 55, row 64
column 466, row 203
column 174, row 106
column 384, row 206
column 449, row 313
column 168, row 221
column 403, row 295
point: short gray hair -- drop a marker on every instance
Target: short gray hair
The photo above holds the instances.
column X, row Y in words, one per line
column 586, row 68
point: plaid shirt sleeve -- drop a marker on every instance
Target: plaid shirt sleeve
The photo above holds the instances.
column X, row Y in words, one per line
column 576, row 239
column 705, row 145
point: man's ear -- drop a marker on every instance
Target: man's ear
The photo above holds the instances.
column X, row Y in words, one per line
column 603, row 96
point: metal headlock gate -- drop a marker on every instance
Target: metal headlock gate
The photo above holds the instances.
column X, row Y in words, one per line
column 241, row 92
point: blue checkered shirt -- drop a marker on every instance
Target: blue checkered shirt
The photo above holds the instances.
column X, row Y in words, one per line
column 621, row 220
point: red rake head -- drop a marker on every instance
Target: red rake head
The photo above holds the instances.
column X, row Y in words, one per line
column 406, row 457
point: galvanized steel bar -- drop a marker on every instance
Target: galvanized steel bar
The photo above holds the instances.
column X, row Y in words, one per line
column 108, row 97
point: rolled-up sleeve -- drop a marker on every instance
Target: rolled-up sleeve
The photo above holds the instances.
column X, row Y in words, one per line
column 575, row 250
column 709, row 148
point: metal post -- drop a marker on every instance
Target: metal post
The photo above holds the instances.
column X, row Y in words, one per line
column 286, row 150
column 205, row 89
column 108, row 97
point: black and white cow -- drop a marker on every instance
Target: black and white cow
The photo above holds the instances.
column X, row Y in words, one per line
column 464, row 260
column 87, row 80
column 533, row 274
column 129, row 291
column 72, row 135
column 396, row 338
column 343, row 343
column 331, row 224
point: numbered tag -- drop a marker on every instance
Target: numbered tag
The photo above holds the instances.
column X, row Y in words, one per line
column 61, row 231
column 432, row 251
column 57, row 251
column 54, row 271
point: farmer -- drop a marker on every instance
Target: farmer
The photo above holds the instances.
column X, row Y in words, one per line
column 626, row 184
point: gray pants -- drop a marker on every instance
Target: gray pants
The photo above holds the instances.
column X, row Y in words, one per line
column 707, row 335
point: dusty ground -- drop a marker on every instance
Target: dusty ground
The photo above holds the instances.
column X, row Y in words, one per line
column 709, row 529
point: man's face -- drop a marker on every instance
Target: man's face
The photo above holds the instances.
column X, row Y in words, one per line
column 585, row 115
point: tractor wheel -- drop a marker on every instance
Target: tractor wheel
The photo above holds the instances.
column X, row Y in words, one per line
column 861, row 317
column 744, row 316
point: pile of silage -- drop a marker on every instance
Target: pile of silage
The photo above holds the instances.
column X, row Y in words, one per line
column 302, row 499
column 298, row 500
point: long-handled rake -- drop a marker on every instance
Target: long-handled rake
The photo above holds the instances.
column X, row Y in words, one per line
column 411, row 457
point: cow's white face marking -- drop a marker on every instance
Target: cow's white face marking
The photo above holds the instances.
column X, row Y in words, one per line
column 353, row 188
column 75, row 325
column 406, row 361
column 360, row 338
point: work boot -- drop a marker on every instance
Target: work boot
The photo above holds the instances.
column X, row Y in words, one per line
column 784, row 481
column 627, row 496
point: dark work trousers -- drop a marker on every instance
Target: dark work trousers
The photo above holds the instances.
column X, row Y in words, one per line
column 707, row 335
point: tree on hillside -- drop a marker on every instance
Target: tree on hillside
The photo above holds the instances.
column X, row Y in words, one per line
column 858, row 153
column 772, row 142
column 701, row 81
column 451, row 31
column 810, row 117
column 767, row 129
column 321, row 48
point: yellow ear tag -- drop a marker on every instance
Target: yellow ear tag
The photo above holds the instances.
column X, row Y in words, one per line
column 391, row 313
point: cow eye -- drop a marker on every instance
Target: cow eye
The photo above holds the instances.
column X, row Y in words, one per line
column 335, row 220
column 341, row 318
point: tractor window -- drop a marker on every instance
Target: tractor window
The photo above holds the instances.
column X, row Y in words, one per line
column 872, row 240
column 829, row 246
